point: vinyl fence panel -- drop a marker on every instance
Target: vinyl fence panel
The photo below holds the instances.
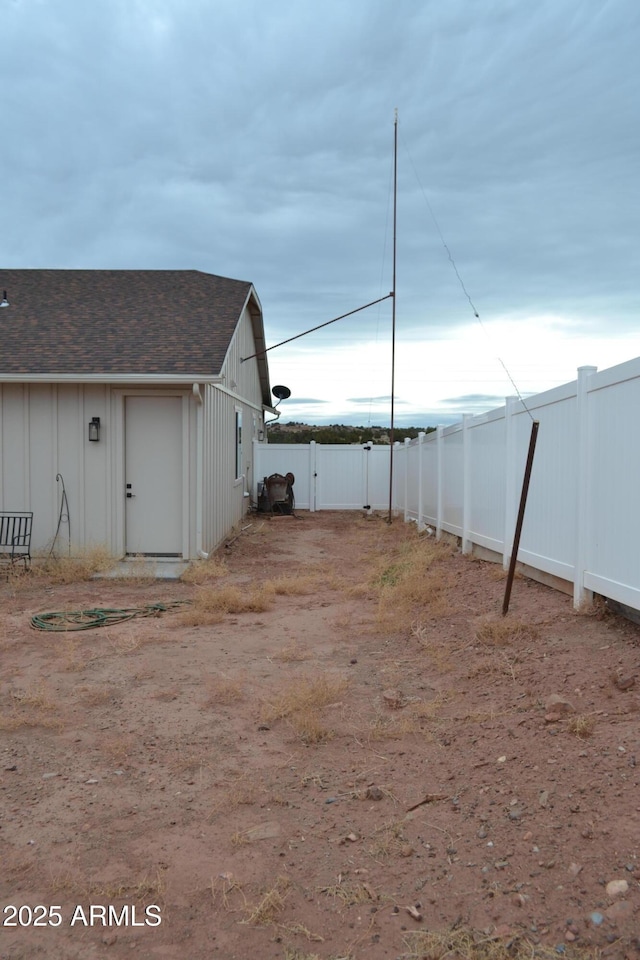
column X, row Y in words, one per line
column 329, row 476
column 582, row 522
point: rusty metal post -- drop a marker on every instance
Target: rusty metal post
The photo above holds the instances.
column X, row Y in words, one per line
column 519, row 522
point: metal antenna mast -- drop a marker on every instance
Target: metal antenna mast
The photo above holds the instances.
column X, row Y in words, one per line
column 393, row 311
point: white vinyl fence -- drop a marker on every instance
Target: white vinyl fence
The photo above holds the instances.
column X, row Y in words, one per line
column 582, row 520
column 328, row 476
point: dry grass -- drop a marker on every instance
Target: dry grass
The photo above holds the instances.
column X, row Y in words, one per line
column 212, row 605
column 270, row 905
column 204, row 571
column 293, row 586
column 291, row 654
column 147, row 889
column 33, row 706
column 582, row 725
column 167, row 694
column 118, row 748
column 503, row 631
column 463, row 944
column 385, row 727
column 304, row 694
column 94, row 695
column 350, row 893
column 309, row 727
column 300, row 703
column 443, row 658
column 222, row 691
column 389, row 841
column 241, row 792
column 408, row 579
column 83, row 565
column 291, row 954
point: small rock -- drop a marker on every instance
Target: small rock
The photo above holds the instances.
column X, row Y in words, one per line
column 570, row 936
column 49, row 776
column 515, row 814
column 617, row 888
column 557, row 708
column 596, row 918
column 264, row 726
column 482, row 834
column 413, row 912
column 574, row 869
column 262, row 831
column 501, row 760
column 406, row 850
column 393, row 699
column 624, row 682
column 619, row 911
column 374, row 793
column 543, row 798
column 353, row 660
column 350, row 838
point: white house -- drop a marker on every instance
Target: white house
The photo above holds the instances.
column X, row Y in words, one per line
column 129, row 387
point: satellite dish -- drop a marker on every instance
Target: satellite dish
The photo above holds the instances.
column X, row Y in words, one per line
column 282, row 393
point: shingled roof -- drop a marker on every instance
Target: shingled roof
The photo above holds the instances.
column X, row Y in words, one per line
column 112, row 322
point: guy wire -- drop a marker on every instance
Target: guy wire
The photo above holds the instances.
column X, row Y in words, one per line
column 461, row 281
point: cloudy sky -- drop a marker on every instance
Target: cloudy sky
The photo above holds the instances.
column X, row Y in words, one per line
column 255, row 140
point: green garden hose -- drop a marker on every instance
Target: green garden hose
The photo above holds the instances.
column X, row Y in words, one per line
column 99, row 617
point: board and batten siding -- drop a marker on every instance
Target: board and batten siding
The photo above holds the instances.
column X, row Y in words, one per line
column 225, row 498
column 43, row 433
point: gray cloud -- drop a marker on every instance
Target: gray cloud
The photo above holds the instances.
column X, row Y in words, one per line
column 217, row 137
column 475, row 399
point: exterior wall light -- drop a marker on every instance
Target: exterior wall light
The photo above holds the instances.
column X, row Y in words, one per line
column 94, row 429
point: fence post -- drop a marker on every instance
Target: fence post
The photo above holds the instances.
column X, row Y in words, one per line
column 440, row 475
column 420, row 500
column 406, row 479
column 312, row 475
column 467, row 546
column 394, row 479
column 581, row 596
column 510, row 485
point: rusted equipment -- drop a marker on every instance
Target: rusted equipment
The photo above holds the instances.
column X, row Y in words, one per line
column 275, row 494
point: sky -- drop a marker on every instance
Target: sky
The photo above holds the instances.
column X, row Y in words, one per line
column 256, row 140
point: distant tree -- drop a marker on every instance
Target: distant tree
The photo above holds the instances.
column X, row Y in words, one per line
column 293, row 432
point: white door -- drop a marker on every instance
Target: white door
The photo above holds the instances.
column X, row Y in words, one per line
column 153, row 476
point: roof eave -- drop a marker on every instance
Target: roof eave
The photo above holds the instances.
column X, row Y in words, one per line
column 133, row 378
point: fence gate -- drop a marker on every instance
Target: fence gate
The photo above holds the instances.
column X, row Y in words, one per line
column 329, row 476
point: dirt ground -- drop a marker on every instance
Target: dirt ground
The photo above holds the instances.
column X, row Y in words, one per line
column 364, row 761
